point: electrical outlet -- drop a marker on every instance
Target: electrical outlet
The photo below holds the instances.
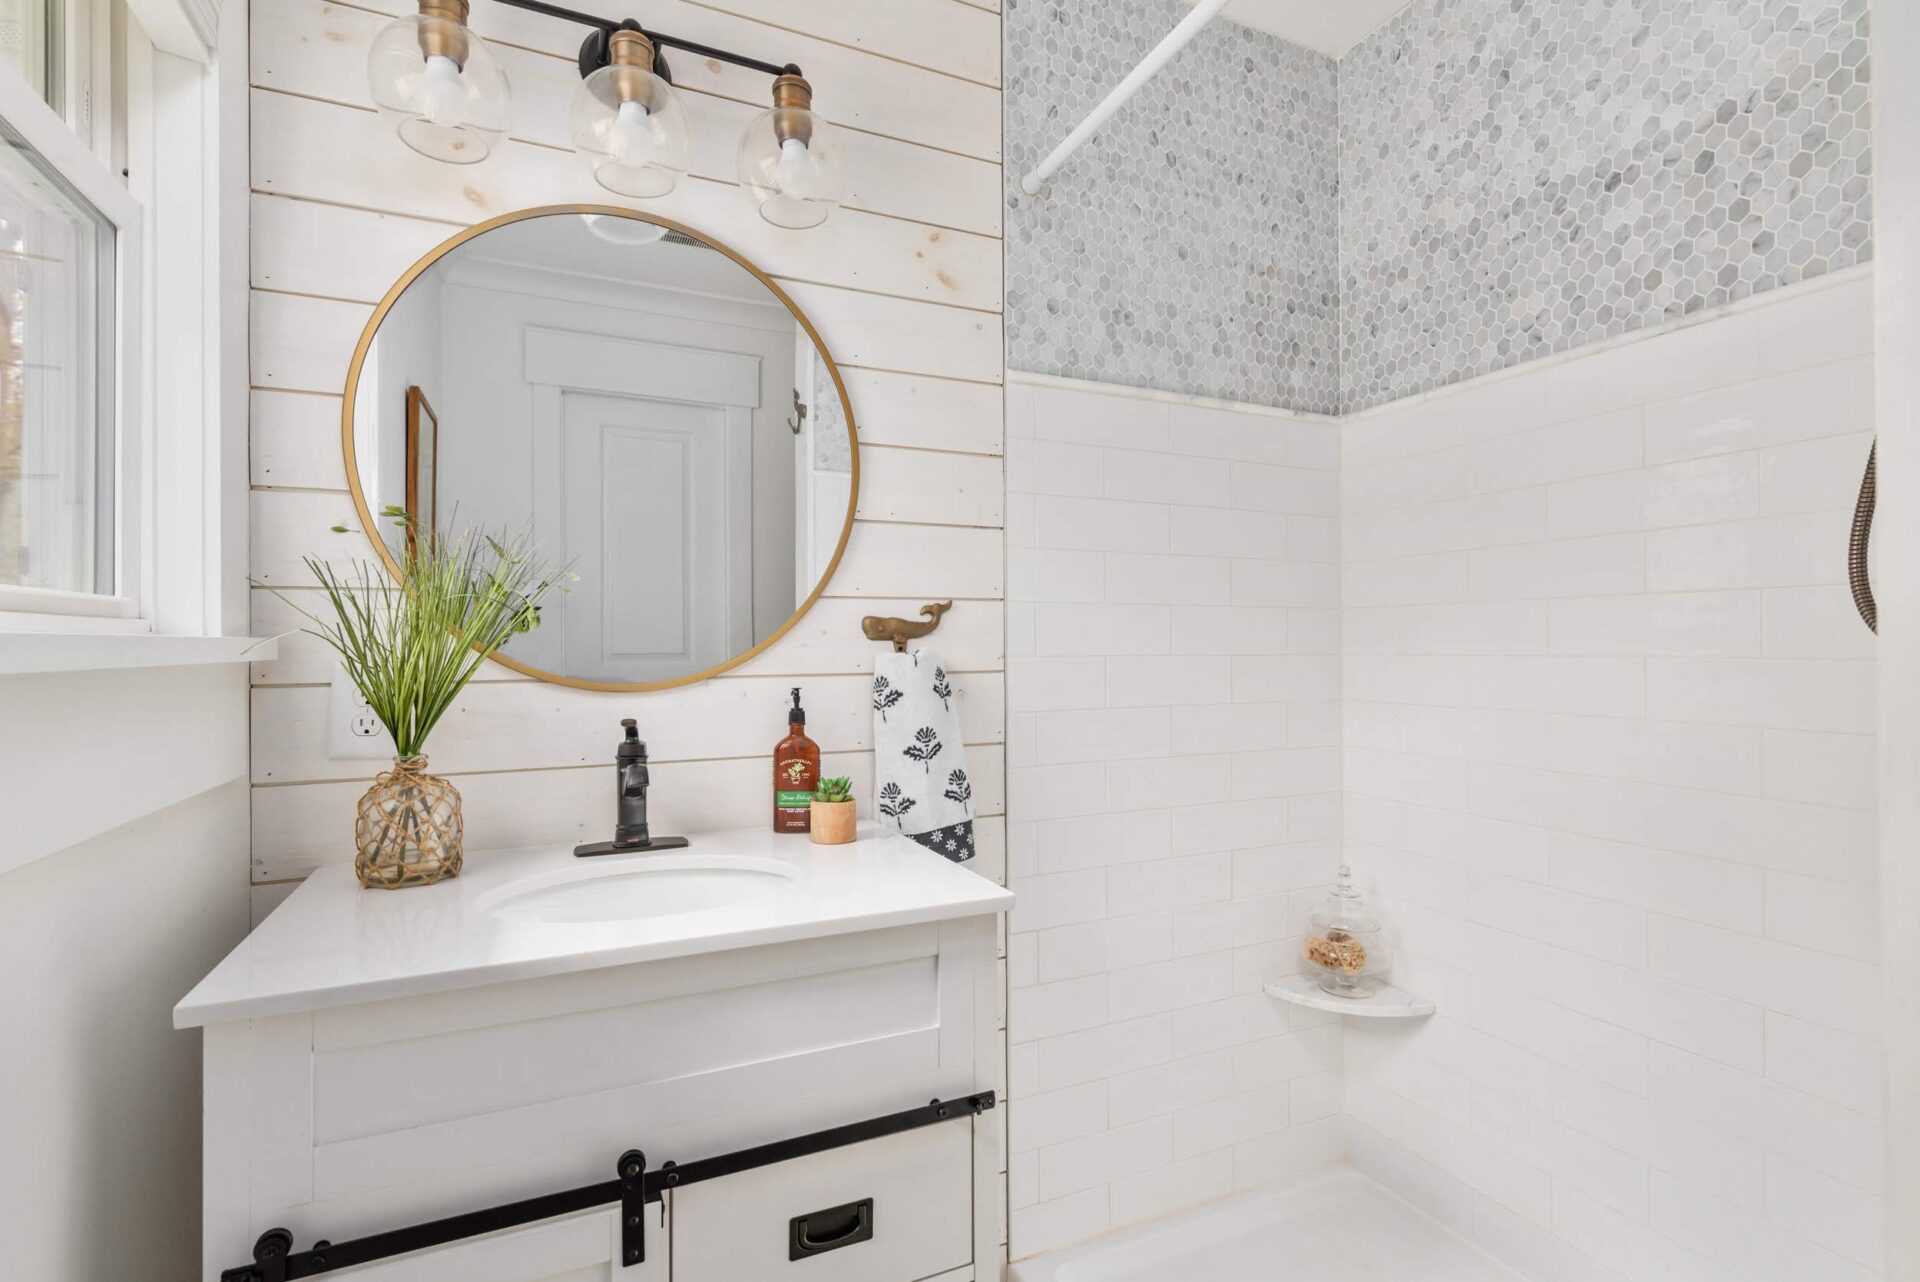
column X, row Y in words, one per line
column 352, row 729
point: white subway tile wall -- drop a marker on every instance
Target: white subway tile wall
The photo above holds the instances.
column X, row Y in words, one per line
column 1173, row 685
column 1608, row 763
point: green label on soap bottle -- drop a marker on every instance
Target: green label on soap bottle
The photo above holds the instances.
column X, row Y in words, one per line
column 794, row 799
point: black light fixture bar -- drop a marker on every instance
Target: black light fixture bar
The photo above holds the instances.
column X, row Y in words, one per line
column 633, row 1186
column 658, row 38
column 708, row 51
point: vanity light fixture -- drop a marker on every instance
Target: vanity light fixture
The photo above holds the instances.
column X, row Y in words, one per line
column 450, row 100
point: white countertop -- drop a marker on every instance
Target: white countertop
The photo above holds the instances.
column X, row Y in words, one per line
column 332, row 943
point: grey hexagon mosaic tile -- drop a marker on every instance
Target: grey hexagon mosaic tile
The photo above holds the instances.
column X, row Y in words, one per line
column 1477, row 184
column 1520, row 177
column 1193, row 244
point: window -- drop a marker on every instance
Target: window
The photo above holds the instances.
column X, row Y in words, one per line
column 56, row 380
column 68, row 235
column 123, row 172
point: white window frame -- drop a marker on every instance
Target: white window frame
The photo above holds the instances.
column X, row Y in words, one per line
column 123, row 609
column 156, row 137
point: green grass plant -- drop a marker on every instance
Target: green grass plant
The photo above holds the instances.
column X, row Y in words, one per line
column 411, row 646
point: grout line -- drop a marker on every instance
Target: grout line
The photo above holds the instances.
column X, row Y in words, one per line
column 1549, row 424
column 1545, row 542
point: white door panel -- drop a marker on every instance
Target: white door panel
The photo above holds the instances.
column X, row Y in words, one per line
column 653, row 514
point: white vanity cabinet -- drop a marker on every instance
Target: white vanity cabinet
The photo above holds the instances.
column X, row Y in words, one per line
column 369, row 1068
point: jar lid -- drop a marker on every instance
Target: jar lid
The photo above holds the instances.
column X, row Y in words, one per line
column 1345, row 904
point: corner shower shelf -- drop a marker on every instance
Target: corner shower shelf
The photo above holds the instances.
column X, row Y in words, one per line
column 1387, row 1001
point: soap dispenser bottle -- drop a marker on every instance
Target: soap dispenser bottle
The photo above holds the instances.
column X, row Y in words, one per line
column 796, row 773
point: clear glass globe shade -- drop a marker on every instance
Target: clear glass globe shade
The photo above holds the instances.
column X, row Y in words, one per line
column 790, row 163
column 440, row 86
column 629, row 126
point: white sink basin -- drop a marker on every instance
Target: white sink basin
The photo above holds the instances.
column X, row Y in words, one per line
column 626, row 887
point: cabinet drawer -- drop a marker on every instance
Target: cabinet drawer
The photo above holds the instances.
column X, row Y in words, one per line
column 897, row 1209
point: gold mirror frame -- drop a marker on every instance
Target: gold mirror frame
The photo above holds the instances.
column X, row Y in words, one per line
column 445, row 247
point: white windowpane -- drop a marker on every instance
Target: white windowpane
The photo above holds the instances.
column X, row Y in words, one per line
column 56, row 395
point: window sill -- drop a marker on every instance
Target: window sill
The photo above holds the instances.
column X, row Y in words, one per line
column 30, row 652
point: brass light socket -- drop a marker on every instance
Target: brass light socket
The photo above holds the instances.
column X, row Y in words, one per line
column 630, row 56
column 791, row 91
column 447, row 38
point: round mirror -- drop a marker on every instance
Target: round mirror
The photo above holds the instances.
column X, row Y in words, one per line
column 642, row 403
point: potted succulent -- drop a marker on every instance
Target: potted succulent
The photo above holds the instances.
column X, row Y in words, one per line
column 411, row 647
column 833, row 818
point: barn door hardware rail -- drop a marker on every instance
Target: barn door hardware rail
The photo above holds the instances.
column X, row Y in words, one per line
column 633, row 1187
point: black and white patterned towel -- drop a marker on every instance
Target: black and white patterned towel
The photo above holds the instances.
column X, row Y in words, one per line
column 920, row 769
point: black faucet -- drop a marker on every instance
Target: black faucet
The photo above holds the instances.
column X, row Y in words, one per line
column 631, row 781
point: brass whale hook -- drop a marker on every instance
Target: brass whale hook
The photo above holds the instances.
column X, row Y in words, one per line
column 901, row 631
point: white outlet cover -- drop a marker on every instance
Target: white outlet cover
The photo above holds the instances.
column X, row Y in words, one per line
column 353, row 732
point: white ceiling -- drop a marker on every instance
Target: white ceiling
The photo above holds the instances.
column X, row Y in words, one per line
column 1326, row 26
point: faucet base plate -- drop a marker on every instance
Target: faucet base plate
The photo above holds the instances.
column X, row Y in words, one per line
column 615, row 848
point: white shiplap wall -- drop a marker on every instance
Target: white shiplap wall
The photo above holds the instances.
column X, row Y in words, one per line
column 1609, row 758
column 904, row 285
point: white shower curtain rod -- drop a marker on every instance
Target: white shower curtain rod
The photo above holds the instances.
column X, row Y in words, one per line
column 1173, row 43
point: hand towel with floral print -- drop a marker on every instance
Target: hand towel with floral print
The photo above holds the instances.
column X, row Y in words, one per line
column 921, row 789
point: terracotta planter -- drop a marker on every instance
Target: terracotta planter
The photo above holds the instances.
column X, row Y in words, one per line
column 833, row 823
column 408, row 829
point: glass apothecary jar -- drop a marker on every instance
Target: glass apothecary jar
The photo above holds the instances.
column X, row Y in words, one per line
column 1347, row 943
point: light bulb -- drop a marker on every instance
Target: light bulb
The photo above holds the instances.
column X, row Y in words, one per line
column 635, row 137
column 795, row 172
column 442, row 98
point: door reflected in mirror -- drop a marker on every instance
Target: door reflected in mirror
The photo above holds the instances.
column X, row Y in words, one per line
column 646, row 406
